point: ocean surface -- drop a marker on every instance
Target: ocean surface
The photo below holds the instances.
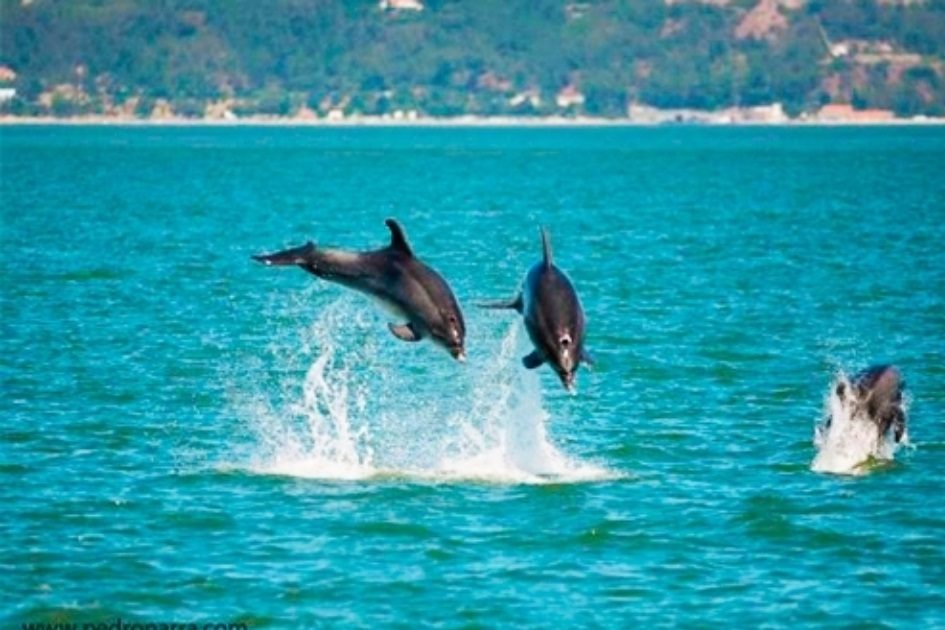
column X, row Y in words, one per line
column 188, row 435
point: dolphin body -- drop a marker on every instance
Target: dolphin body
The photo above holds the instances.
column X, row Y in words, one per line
column 397, row 278
column 553, row 317
column 877, row 393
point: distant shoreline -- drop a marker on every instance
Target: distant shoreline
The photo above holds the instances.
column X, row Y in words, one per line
column 431, row 121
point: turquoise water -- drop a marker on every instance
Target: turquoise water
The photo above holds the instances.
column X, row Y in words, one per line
column 188, row 435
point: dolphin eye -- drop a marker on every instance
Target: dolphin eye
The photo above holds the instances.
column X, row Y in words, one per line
column 841, row 390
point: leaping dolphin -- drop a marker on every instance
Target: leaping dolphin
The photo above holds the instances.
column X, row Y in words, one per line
column 877, row 393
column 553, row 316
column 394, row 276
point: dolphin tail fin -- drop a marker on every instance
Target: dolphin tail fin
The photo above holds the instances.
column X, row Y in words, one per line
column 545, row 246
column 294, row 256
column 515, row 304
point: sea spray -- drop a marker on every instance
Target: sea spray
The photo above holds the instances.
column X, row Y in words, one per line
column 850, row 444
column 367, row 409
column 504, row 436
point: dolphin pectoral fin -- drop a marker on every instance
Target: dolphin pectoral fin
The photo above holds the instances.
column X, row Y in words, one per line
column 404, row 332
column 899, row 425
column 515, row 304
column 533, row 360
column 586, row 358
column 295, row 256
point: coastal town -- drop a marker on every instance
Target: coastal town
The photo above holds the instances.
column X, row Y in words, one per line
column 853, row 80
column 567, row 102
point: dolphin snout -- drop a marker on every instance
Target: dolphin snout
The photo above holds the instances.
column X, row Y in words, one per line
column 458, row 353
column 566, row 360
column 567, row 379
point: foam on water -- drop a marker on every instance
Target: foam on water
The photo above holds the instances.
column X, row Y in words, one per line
column 851, row 445
column 361, row 413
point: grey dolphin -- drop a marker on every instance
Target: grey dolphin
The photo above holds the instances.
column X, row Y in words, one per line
column 394, row 276
column 877, row 390
column 553, row 316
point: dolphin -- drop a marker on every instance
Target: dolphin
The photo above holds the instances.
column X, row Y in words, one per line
column 553, row 316
column 394, row 276
column 877, row 393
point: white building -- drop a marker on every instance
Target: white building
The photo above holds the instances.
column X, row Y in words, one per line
column 400, row 5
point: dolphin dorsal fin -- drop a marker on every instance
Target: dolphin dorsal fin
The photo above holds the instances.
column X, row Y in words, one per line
column 545, row 246
column 398, row 240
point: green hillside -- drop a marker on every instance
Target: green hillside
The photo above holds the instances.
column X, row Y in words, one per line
column 486, row 57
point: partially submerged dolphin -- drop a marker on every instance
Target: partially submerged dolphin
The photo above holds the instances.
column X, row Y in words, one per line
column 394, row 276
column 553, row 315
column 876, row 394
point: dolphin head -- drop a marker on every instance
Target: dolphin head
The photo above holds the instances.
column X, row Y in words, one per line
column 566, row 357
column 879, row 388
column 877, row 391
column 450, row 332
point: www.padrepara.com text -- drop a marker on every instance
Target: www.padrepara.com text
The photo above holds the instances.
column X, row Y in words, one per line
column 118, row 624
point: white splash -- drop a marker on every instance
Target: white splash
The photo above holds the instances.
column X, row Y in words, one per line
column 375, row 408
column 851, row 444
column 503, row 437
